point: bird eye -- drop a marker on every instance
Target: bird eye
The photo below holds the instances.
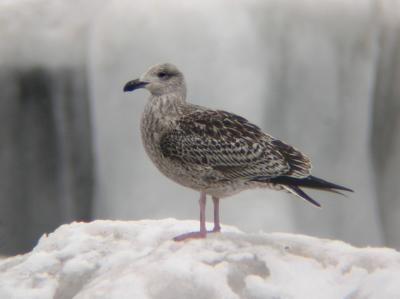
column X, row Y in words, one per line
column 162, row 75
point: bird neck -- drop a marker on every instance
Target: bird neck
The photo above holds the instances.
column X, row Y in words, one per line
column 167, row 104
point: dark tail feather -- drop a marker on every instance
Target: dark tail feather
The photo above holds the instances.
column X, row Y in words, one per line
column 308, row 182
column 317, row 183
column 293, row 185
column 297, row 191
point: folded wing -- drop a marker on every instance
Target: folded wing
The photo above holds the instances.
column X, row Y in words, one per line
column 232, row 146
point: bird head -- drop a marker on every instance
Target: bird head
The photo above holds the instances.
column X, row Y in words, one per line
column 159, row 79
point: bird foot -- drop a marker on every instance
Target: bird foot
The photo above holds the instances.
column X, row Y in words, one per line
column 191, row 235
column 216, row 229
column 196, row 235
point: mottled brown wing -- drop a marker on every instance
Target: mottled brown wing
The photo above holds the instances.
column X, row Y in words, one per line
column 231, row 145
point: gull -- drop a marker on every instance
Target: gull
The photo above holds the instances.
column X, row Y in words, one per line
column 215, row 152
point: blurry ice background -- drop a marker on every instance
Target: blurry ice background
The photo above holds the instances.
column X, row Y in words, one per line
column 321, row 75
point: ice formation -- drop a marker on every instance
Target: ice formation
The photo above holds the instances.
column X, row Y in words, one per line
column 138, row 259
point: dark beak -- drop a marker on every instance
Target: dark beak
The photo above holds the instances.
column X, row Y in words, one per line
column 134, row 84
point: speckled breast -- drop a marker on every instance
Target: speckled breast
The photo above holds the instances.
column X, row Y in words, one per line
column 152, row 128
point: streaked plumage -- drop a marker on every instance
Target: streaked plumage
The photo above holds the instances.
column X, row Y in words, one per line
column 212, row 151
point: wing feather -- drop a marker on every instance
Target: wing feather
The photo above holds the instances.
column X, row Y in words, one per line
column 231, row 145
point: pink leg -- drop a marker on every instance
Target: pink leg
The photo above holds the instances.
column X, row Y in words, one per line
column 217, row 226
column 202, row 233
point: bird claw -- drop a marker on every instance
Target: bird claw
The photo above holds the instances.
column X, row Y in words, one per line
column 196, row 235
column 191, row 235
column 216, row 229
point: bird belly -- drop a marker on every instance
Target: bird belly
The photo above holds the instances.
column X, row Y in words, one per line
column 198, row 178
column 191, row 176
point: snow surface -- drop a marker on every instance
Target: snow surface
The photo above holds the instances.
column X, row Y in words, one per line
column 138, row 259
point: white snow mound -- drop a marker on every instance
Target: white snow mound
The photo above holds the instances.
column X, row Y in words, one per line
column 138, row 259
